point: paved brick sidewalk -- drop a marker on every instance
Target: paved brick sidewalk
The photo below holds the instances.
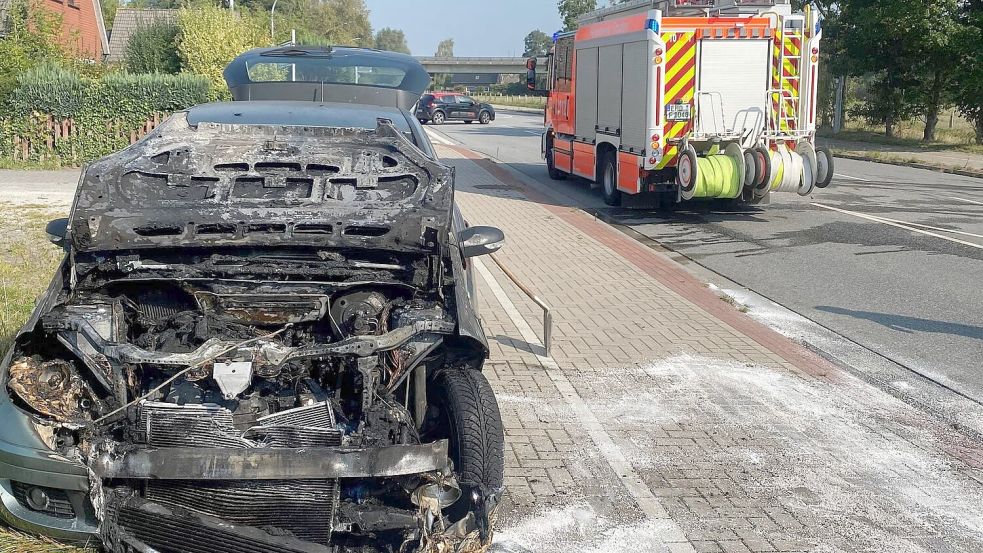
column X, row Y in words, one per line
column 666, row 420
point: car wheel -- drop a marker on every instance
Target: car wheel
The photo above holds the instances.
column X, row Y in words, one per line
column 609, row 181
column 462, row 409
column 468, row 122
column 423, row 121
column 484, row 118
column 554, row 173
column 438, row 118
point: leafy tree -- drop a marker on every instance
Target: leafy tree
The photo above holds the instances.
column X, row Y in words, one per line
column 211, row 37
column 153, row 49
column 446, row 48
column 109, row 12
column 325, row 22
column 537, row 43
column 967, row 82
column 33, row 37
column 392, row 40
column 571, row 10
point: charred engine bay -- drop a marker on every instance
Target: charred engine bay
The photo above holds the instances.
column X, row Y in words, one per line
column 259, row 387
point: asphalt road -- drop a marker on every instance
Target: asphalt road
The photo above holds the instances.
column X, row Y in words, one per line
column 913, row 294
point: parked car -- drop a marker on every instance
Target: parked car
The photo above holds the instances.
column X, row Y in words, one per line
column 263, row 335
column 440, row 107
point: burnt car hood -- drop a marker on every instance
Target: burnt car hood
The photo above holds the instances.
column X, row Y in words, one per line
column 225, row 184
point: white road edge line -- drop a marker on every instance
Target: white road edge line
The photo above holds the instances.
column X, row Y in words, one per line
column 950, row 231
column 851, row 178
column 436, row 137
column 963, row 200
column 889, row 223
column 648, row 503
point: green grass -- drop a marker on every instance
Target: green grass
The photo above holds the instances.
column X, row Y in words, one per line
column 536, row 102
column 27, row 262
column 959, row 137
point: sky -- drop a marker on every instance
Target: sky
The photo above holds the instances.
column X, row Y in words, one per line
column 478, row 27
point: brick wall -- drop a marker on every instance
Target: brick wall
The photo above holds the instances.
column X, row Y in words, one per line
column 81, row 26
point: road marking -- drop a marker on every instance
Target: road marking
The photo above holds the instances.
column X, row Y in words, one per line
column 437, row 138
column 647, row 502
column 903, row 226
column 851, row 178
column 963, row 200
column 950, row 231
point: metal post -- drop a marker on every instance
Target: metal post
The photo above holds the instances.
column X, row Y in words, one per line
column 272, row 33
column 838, row 106
column 547, row 312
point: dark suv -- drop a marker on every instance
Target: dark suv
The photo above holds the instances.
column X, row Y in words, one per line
column 439, row 107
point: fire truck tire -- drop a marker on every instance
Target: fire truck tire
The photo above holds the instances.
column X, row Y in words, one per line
column 609, row 181
column 824, row 164
column 438, row 118
column 554, row 173
column 762, row 167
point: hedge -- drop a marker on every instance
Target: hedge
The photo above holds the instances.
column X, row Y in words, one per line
column 100, row 115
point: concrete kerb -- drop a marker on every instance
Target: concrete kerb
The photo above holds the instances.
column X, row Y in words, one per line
column 915, row 165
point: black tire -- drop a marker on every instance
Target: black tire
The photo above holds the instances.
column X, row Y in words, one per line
column 463, row 399
column 484, row 118
column 438, row 118
column 750, row 172
column 824, row 158
column 762, row 163
column 468, row 122
column 609, row 181
column 423, row 121
column 554, row 173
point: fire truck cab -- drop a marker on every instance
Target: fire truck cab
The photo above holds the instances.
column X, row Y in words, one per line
column 687, row 99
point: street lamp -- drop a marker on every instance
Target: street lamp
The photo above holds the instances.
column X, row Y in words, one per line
column 272, row 9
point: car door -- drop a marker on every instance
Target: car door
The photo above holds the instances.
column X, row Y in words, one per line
column 468, row 108
column 451, row 107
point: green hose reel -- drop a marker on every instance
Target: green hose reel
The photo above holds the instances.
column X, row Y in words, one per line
column 714, row 176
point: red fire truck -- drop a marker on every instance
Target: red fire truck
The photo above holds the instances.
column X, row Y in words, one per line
column 687, row 99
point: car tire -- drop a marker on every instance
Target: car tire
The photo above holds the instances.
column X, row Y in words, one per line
column 438, row 118
column 423, row 121
column 464, row 400
column 609, row 181
column 551, row 169
column 484, row 118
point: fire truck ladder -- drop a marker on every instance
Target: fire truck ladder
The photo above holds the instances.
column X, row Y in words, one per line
column 787, row 97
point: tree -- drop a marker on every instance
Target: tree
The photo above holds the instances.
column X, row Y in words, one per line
column 446, row 48
column 211, row 37
column 33, row 37
column 153, row 49
column 109, row 12
column 537, row 43
column 571, row 10
column 967, row 81
column 392, row 40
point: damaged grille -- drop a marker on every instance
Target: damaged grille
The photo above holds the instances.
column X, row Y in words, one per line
column 304, row 508
column 300, row 509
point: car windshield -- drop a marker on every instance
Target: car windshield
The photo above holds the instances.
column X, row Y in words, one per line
column 316, row 71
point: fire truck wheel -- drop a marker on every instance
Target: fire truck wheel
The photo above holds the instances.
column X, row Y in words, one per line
column 438, row 118
column 484, row 118
column 750, row 170
column 554, row 173
column 609, row 181
column 824, row 162
column 686, row 169
column 762, row 166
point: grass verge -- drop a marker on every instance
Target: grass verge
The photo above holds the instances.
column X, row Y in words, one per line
column 536, row 102
column 27, row 261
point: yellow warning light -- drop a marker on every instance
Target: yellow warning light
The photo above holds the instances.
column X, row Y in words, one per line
column 657, row 60
column 815, row 59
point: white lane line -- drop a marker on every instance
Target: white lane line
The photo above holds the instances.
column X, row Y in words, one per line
column 647, row 502
column 963, row 200
column 950, row 231
column 437, row 138
column 851, row 178
column 903, row 226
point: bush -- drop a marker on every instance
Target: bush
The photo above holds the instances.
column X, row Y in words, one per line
column 153, row 49
column 104, row 112
column 211, row 37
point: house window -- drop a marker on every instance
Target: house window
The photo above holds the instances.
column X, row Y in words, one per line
column 73, row 4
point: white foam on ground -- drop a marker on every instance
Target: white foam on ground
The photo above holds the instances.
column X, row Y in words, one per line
column 859, row 467
column 577, row 529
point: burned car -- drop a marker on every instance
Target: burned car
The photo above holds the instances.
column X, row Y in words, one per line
column 262, row 338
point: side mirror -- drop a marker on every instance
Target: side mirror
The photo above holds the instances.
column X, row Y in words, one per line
column 531, row 73
column 477, row 241
column 58, row 232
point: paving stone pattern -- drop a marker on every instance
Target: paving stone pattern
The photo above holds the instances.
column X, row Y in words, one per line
column 744, row 449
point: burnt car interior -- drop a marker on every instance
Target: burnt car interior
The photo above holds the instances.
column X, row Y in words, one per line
column 262, row 339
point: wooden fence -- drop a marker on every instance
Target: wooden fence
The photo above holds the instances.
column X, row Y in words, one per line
column 59, row 131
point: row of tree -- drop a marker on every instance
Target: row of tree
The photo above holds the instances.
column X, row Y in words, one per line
column 909, row 58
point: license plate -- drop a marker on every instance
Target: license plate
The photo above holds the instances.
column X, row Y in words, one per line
column 678, row 112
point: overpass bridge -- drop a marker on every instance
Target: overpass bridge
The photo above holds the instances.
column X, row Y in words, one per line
column 475, row 65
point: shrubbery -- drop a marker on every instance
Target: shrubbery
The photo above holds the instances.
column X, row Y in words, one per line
column 153, row 49
column 103, row 111
column 211, row 37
